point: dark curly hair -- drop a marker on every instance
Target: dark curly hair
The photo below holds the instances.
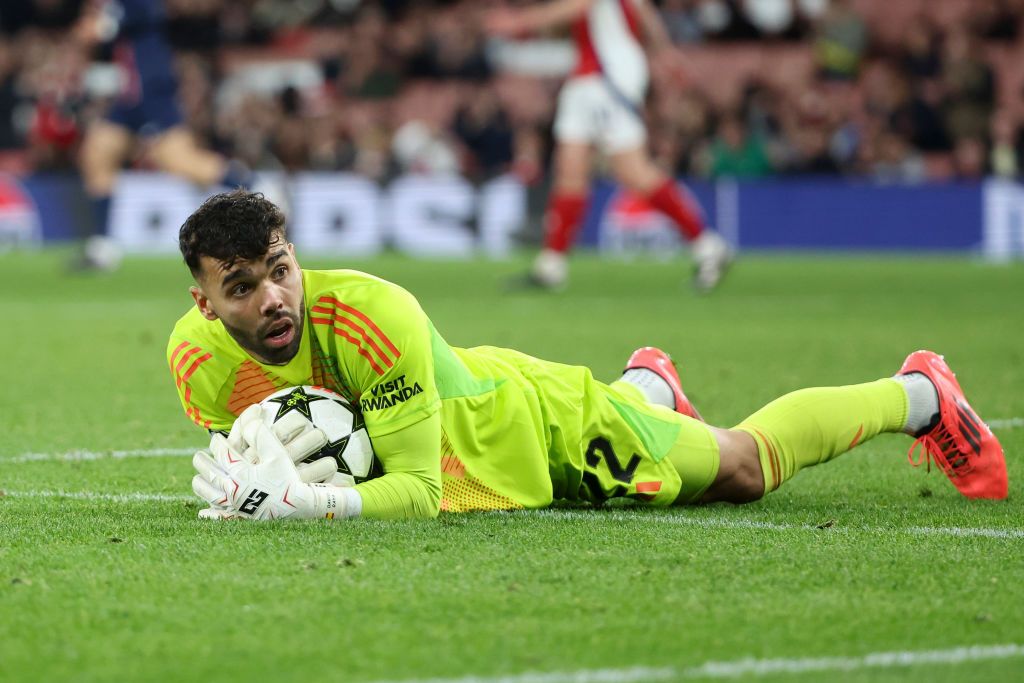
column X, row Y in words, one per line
column 231, row 226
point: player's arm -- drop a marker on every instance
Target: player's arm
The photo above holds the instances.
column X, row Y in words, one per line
column 663, row 53
column 383, row 343
column 515, row 23
column 99, row 22
column 655, row 34
column 412, row 485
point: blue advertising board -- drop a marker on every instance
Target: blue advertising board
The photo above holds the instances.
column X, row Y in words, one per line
column 807, row 213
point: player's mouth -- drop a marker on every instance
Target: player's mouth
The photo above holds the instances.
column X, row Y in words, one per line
column 280, row 334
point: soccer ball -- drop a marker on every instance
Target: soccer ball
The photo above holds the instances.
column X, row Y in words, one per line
column 348, row 443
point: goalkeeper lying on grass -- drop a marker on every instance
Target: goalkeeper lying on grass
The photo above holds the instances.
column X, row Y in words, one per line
column 488, row 428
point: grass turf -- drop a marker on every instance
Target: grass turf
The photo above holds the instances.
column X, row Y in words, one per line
column 95, row 589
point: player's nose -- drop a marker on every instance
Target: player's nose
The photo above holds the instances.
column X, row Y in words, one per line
column 273, row 300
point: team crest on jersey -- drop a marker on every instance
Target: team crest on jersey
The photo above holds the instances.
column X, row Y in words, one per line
column 387, row 394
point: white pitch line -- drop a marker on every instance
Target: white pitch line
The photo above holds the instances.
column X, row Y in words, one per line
column 748, row 667
column 619, row 516
column 630, row 675
column 724, row 523
column 86, row 455
column 1006, row 423
column 109, row 497
column 962, row 531
column 874, row 660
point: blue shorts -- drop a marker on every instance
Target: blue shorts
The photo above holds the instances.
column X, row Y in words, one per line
column 155, row 113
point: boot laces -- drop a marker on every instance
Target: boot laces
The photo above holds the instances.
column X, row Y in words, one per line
column 939, row 446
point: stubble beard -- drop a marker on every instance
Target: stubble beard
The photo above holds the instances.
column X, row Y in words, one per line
column 254, row 344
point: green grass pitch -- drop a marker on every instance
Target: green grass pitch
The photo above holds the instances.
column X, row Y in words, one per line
column 96, row 587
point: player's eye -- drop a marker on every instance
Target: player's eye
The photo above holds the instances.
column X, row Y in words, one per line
column 241, row 289
column 280, row 271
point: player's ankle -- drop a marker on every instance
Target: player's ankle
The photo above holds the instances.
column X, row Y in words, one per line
column 551, row 267
column 922, row 402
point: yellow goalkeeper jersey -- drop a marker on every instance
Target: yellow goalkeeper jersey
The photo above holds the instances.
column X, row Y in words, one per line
column 516, row 431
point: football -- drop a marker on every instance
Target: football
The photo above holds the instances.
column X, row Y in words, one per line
column 348, row 442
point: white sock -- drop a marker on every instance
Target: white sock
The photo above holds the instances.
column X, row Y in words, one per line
column 655, row 389
column 922, row 401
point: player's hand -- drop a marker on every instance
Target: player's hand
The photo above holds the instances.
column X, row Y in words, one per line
column 504, row 23
column 671, row 65
column 289, row 431
column 267, row 488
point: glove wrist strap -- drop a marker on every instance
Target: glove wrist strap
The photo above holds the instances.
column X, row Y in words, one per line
column 330, row 502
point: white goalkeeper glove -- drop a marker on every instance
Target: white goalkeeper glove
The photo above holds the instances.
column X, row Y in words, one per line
column 289, row 430
column 268, row 488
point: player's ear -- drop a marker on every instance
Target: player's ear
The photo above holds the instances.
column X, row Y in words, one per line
column 202, row 303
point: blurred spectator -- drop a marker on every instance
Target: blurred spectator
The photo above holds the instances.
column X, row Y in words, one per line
column 920, row 59
column 841, row 41
column 9, row 137
column 680, row 129
column 895, row 160
column 418, row 148
column 813, row 156
column 1005, row 159
column 326, row 84
column 193, row 24
column 682, row 21
column 17, row 15
column 737, row 153
column 996, row 19
column 774, row 18
column 970, row 86
column 808, row 131
column 969, row 159
column 453, row 48
column 921, row 49
column 485, row 130
column 370, row 69
column 725, row 20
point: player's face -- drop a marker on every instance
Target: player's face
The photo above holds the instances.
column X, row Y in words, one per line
column 259, row 301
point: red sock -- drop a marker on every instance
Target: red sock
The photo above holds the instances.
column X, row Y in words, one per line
column 680, row 207
column 562, row 221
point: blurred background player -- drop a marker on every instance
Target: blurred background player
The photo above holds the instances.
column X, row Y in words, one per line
column 146, row 109
column 601, row 106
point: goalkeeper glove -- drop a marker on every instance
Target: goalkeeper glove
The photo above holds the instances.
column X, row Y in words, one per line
column 265, row 484
column 289, row 430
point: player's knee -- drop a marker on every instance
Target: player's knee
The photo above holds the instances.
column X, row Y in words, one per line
column 636, row 172
column 747, row 481
column 740, row 477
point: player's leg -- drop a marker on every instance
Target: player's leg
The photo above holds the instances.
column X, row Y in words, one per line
column 574, row 131
column 812, row 426
column 713, row 463
column 104, row 149
column 798, row 430
column 175, row 151
column 565, row 211
column 802, row 429
column 634, row 169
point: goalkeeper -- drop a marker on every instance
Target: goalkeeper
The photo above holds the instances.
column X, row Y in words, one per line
column 488, row 428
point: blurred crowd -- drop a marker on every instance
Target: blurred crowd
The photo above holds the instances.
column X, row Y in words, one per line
column 382, row 87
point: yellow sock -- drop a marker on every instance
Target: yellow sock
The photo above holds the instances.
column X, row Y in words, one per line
column 812, row 426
